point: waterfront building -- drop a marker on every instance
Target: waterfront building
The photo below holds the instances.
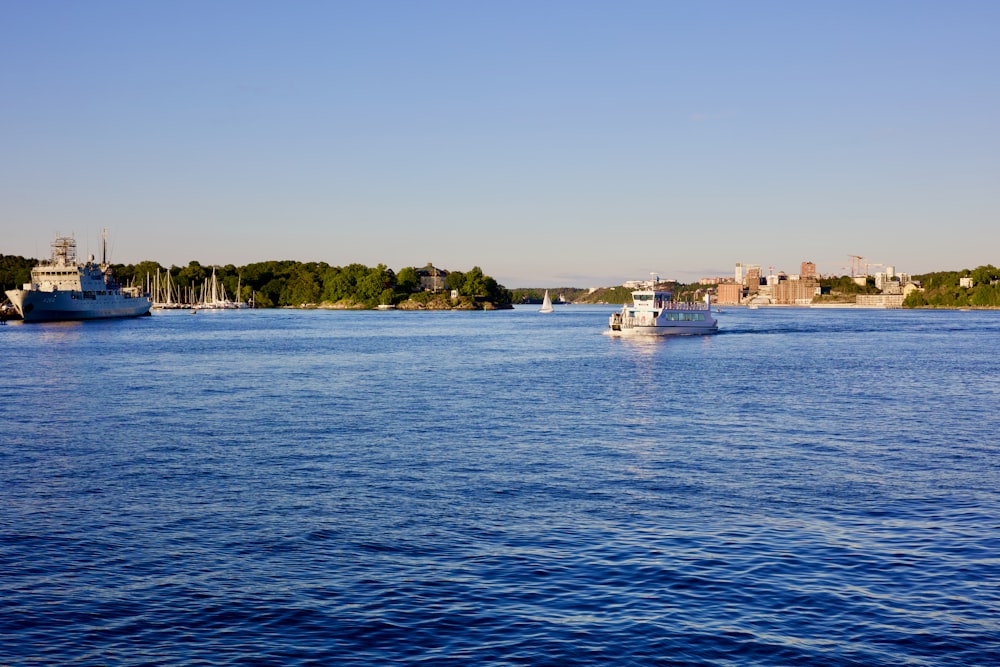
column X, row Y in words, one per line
column 432, row 279
column 880, row 300
column 729, row 294
column 795, row 292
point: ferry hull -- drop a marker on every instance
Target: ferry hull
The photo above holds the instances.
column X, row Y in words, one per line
column 34, row 306
column 699, row 330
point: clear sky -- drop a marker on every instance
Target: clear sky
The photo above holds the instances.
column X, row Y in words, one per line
column 552, row 143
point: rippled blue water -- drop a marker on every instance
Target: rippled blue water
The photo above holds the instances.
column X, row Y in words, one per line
column 313, row 488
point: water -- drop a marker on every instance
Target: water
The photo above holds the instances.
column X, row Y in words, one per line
column 312, row 488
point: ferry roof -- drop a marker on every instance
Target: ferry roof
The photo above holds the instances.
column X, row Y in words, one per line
column 652, row 292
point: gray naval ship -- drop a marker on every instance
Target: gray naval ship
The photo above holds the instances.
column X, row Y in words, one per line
column 61, row 289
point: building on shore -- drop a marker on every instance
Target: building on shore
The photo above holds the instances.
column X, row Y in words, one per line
column 879, row 300
column 794, row 292
column 432, row 279
column 729, row 294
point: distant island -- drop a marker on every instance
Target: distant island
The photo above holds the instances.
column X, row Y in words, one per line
column 292, row 284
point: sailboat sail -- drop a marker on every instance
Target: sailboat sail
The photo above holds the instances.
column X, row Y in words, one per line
column 546, row 304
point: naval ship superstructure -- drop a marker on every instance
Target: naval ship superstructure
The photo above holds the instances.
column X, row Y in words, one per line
column 61, row 289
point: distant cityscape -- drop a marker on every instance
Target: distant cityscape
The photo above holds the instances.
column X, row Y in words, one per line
column 749, row 285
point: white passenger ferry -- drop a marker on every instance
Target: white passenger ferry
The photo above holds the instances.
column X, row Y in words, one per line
column 61, row 289
column 655, row 313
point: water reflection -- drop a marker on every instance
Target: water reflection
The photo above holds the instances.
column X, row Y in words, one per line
column 59, row 332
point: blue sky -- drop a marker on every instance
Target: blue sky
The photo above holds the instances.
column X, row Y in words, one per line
column 550, row 143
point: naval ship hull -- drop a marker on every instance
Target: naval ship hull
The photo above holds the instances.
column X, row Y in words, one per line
column 61, row 289
column 36, row 306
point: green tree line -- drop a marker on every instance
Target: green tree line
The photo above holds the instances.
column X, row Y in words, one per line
column 943, row 289
column 290, row 283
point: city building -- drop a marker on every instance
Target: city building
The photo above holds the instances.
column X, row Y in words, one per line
column 729, row 294
column 752, row 280
column 794, row 292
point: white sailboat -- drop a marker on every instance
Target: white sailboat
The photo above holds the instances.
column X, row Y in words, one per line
column 214, row 295
column 546, row 304
column 163, row 293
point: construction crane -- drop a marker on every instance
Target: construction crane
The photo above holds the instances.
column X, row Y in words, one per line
column 856, row 261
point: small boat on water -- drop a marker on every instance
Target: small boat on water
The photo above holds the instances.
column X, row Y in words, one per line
column 7, row 311
column 655, row 313
column 546, row 304
column 62, row 290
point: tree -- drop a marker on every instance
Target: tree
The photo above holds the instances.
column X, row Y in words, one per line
column 300, row 288
column 984, row 275
column 14, row 271
column 407, row 280
column 985, row 295
column 138, row 274
column 475, row 283
column 371, row 287
column 269, row 294
column 915, row 299
column 455, row 281
column 342, row 285
column 193, row 275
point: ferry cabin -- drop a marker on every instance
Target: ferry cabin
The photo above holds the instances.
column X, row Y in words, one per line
column 649, row 305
